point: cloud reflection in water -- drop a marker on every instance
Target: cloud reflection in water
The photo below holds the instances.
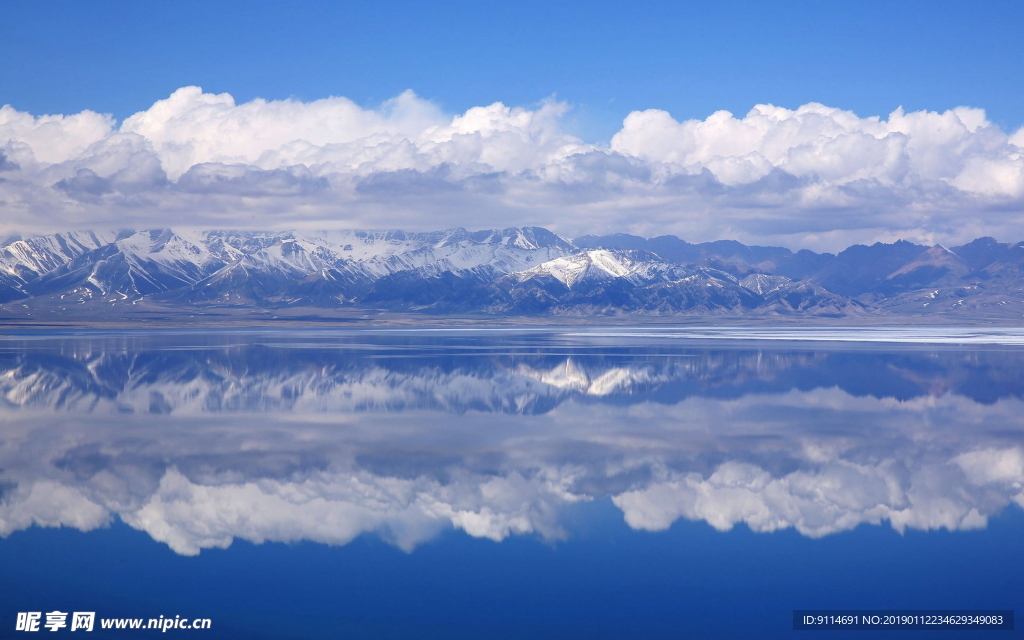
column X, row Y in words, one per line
column 200, row 440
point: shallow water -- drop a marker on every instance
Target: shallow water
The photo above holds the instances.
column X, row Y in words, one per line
column 513, row 483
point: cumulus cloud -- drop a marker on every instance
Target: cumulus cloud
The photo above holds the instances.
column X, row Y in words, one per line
column 768, row 175
column 6, row 164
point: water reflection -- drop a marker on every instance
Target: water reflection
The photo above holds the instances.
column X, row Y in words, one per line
column 199, row 440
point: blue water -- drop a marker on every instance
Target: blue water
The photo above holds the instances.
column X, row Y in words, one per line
column 506, row 485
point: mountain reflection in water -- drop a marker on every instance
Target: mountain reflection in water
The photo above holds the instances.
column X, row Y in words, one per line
column 323, row 436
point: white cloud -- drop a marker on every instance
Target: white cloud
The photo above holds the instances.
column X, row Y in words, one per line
column 1018, row 138
column 770, row 174
column 51, row 139
column 830, row 145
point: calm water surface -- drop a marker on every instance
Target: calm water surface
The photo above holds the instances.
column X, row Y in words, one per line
column 510, row 484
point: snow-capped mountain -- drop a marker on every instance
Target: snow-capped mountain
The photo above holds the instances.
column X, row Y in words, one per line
column 611, row 280
column 601, row 265
column 255, row 267
column 526, row 270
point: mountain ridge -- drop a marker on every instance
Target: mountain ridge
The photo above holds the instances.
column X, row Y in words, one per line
column 510, row 271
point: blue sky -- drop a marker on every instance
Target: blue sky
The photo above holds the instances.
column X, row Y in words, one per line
column 605, row 58
column 581, row 117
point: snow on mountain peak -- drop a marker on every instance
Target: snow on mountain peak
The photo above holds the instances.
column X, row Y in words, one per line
column 598, row 264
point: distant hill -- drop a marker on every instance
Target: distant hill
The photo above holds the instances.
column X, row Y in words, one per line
column 514, row 271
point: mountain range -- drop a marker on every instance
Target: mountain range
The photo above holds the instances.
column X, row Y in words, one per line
column 514, row 271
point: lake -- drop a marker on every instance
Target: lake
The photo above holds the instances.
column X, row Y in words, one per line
column 515, row 483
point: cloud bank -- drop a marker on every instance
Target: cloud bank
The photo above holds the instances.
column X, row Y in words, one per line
column 815, row 176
